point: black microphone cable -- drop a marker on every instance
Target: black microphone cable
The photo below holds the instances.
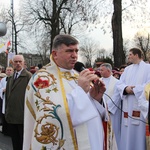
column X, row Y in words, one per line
column 82, row 68
column 122, row 109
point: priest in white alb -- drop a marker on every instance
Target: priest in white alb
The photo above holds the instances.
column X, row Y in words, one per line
column 130, row 87
column 62, row 108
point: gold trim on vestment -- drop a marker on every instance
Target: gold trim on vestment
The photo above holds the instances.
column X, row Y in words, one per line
column 147, row 91
column 67, row 109
column 30, row 109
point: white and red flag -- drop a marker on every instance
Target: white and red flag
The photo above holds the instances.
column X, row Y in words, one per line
column 5, row 47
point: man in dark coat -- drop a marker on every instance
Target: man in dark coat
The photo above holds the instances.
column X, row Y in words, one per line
column 15, row 93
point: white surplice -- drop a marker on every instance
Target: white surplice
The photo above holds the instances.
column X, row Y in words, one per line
column 82, row 106
column 143, row 103
column 2, row 95
column 110, row 83
column 133, row 135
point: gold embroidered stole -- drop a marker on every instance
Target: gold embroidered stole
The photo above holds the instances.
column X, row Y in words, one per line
column 52, row 126
column 111, row 139
column 147, row 92
column 81, row 131
column 147, row 95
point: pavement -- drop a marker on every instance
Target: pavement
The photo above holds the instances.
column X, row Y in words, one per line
column 5, row 142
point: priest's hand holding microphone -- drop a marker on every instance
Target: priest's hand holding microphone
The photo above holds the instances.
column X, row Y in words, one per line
column 91, row 83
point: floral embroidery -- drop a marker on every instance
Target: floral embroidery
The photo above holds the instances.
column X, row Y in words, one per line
column 39, row 83
column 45, row 131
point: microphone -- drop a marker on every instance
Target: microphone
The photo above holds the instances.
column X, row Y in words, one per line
column 79, row 66
column 83, row 68
column 93, row 81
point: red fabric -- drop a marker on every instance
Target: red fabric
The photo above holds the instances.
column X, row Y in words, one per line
column 105, row 134
column 32, row 71
column 147, row 131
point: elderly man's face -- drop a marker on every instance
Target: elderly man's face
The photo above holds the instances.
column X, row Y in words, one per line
column 66, row 56
column 18, row 63
column 105, row 72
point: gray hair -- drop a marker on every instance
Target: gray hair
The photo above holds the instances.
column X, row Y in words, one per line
column 21, row 56
column 107, row 65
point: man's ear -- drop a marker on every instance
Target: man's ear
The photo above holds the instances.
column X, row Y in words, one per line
column 54, row 53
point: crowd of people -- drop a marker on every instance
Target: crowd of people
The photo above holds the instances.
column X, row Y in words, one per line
column 65, row 105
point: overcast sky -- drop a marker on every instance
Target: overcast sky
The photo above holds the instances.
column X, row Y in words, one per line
column 104, row 40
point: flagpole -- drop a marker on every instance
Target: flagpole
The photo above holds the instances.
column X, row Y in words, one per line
column 12, row 11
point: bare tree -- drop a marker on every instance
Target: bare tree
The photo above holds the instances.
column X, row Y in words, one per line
column 101, row 53
column 12, row 21
column 53, row 17
column 18, row 27
column 143, row 42
column 126, row 47
column 43, row 50
column 89, row 49
column 119, row 56
column 47, row 15
column 123, row 12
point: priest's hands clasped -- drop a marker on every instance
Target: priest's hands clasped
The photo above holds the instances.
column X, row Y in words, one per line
column 129, row 89
column 86, row 79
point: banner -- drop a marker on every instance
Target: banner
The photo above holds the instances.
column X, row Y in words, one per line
column 9, row 58
column 4, row 47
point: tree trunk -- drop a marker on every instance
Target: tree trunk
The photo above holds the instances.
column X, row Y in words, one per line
column 55, row 30
column 15, row 35
column 118, row 53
